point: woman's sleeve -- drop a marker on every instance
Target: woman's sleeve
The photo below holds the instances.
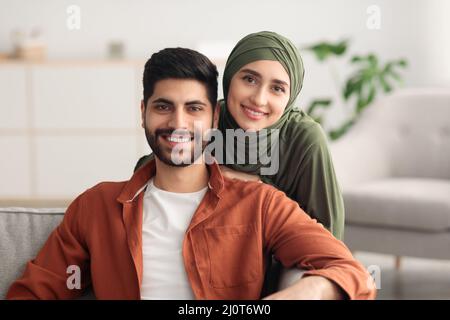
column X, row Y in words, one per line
column 317, row 188
column 142, row 160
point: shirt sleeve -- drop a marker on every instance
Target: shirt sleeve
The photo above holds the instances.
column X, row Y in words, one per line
column 64, row 256
column 317, row 188
column 299, row 241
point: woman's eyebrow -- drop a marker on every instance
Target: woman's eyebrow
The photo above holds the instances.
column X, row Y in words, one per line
column 253, row 72
column 281, row 82
column 257, row 74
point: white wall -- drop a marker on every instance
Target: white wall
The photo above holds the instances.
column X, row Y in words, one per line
column 412, row 28
column 418, row 30
column 64, row 127
column 415, row 29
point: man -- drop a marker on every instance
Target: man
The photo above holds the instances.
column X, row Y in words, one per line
column 178, row 229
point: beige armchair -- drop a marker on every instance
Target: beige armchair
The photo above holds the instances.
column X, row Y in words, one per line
column 394, row 171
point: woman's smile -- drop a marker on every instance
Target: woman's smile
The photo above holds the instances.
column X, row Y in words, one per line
column 254, row 113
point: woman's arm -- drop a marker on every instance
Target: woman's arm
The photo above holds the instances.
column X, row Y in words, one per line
column 142, row 161
column 317, row 190
column 233, row 174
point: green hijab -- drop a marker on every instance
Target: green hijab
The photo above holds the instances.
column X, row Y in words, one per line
column 263, row 45
column 305, row 169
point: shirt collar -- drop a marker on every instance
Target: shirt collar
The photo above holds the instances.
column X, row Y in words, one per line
column 140, row 178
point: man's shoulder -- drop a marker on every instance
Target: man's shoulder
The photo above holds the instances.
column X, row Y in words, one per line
column 95, row 204
column 257, row 198
column 249, row 188
column 105, row 190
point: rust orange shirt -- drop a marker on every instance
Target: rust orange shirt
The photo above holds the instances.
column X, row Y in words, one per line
column 233, row 232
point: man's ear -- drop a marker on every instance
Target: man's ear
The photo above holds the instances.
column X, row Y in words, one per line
column 216, row 116
column 142, row 113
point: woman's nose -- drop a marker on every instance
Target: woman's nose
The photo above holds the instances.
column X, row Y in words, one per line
column 259, row 98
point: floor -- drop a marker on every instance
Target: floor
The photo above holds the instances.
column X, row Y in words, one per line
column 416, row 278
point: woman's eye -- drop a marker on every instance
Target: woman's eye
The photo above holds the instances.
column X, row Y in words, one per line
column 249, row 79
column 279, row 89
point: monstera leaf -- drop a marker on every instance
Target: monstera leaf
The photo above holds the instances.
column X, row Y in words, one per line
column 323, row 50
column 315, row 105
column 369, row 77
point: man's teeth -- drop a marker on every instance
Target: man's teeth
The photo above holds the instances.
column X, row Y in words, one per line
column 254, row 112
column 178, row 140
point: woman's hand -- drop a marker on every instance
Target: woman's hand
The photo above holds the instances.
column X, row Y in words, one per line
column 233, row 174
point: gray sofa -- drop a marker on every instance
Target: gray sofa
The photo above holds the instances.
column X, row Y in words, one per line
column 23, row 231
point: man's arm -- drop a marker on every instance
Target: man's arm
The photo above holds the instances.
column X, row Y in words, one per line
column 299, row 241
column 310, row 288
column 46, row 276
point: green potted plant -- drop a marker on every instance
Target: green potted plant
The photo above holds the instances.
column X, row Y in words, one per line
column 369, row 77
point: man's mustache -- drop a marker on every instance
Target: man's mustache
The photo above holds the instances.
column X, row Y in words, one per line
column 170, row 131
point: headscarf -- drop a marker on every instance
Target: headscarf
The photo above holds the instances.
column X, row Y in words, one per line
column 263, row 45
column 306, row 173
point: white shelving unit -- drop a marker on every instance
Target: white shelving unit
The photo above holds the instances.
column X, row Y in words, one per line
column 67, row 125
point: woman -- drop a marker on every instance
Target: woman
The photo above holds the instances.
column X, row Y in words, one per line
column 262, row 79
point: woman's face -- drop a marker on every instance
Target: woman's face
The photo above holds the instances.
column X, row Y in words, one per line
column 258, row 94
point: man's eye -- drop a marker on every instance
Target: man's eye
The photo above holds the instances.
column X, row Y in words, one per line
column 162, row 107
column 195, row 109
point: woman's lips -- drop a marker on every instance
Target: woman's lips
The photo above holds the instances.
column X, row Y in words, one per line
column 253, row 114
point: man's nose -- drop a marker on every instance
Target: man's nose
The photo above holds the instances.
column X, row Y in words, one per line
column 178, row 120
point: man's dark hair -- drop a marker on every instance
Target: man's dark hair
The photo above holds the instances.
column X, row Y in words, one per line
column 180, row 63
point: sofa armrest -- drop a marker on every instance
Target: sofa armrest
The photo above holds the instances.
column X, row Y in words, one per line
column 360, row 157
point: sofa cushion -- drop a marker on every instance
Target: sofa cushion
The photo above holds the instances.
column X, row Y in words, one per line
column 413, row 204
column 23, row 231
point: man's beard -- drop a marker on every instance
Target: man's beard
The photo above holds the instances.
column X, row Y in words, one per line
column 166, row 156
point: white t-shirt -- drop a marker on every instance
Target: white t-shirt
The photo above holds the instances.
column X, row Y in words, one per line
column 167, row 216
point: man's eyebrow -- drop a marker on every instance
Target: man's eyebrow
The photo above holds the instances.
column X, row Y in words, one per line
column 195, row 102
column 257, row 74
column 163, row 100
column 167, row 101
